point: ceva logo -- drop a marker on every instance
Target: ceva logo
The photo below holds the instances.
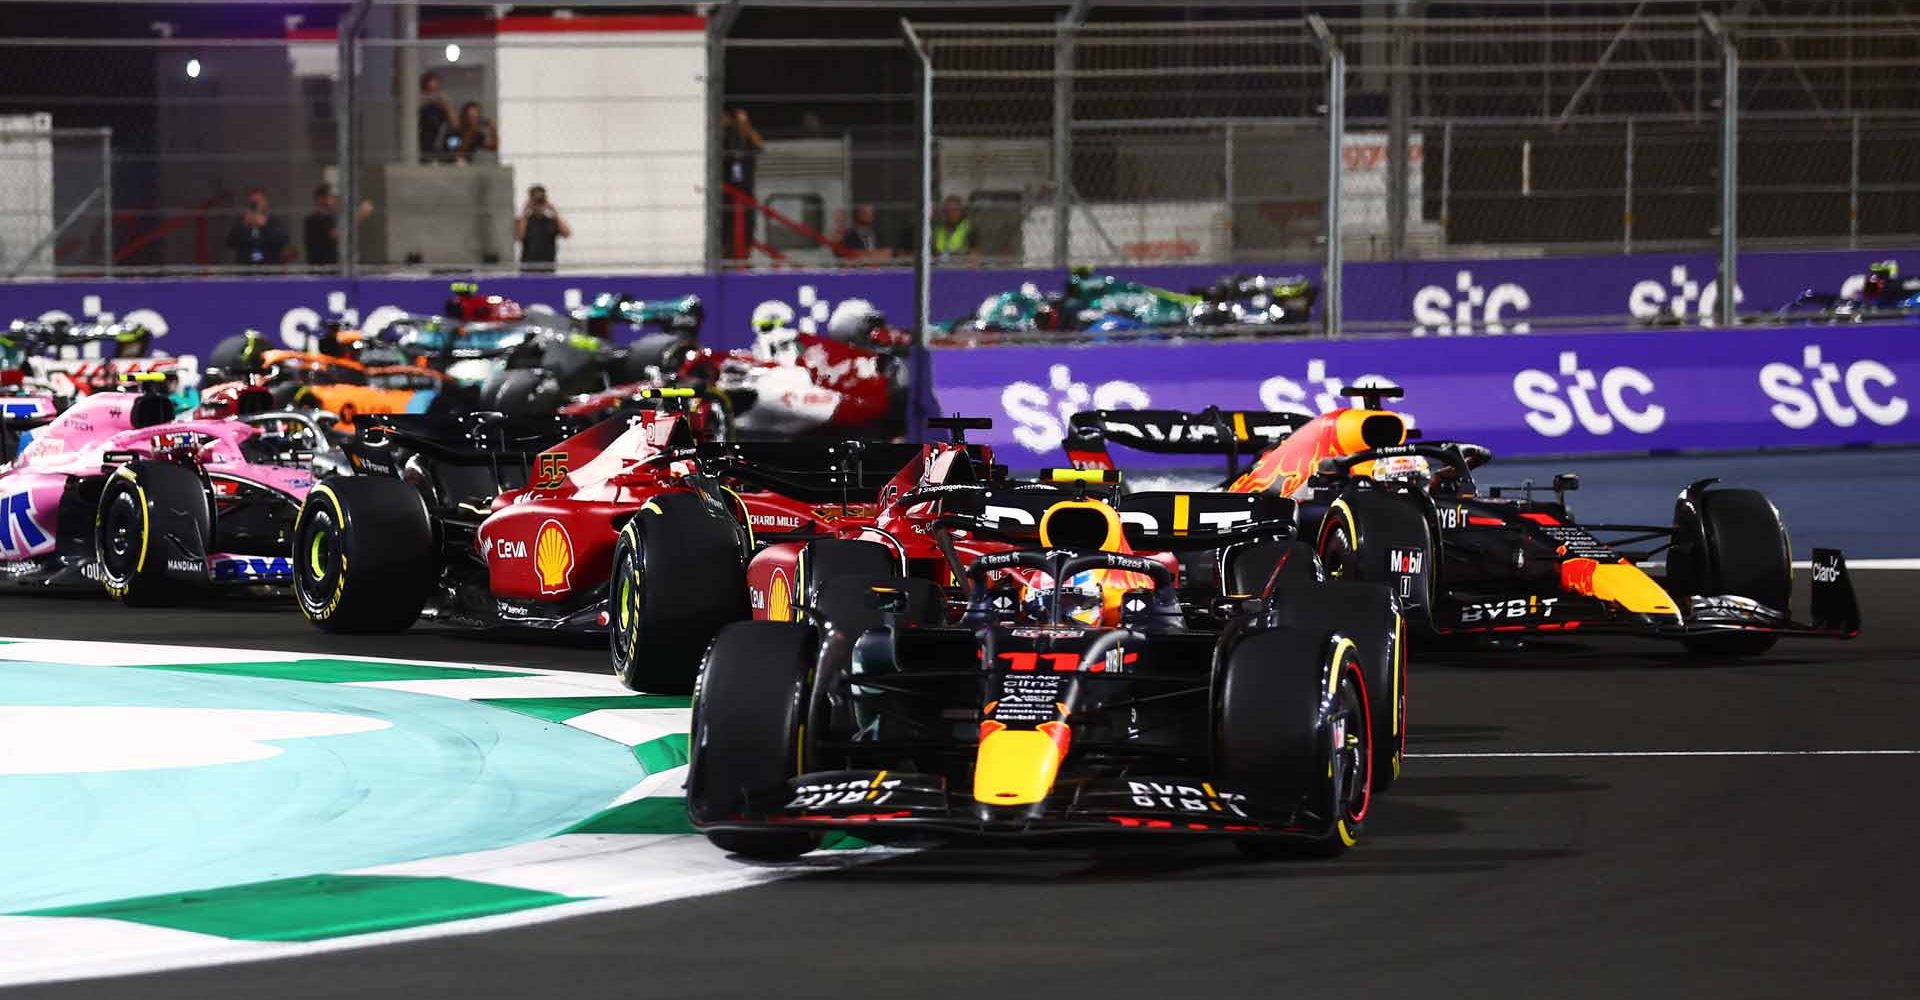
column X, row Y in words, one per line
column 1040, row 412
column 1681, row 297
column 1468, row 308
column 1550, row 415
column 1318, row 393
column 1803, row 396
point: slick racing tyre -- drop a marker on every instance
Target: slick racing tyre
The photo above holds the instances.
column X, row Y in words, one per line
column 1365, row 614
column 363, row 555
column 663, row 352
column 521, row 391
column 131, row 547
column 1291, row 726
column 677, row 579
column 1362, row 531
column 747, row 730
column 1730, row 542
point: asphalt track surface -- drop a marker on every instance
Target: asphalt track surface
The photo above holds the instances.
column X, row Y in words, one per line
column 1667, row 876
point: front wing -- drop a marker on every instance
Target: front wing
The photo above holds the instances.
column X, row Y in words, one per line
column 909, row 802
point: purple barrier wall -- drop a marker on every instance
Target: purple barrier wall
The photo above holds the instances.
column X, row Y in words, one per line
column 1544, row 394
column 1436, row 297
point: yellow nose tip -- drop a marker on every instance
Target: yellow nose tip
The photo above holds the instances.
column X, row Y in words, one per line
column 1015, row 767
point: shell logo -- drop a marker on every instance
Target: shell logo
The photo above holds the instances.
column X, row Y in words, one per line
column 553, row 557
column 779, row 599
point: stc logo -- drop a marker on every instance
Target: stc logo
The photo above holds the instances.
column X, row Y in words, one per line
column 1821, row 388
column 1468, row 307
column 1552, row 416
column 1683, row 298
column 1284, row 395
column 1040, row 413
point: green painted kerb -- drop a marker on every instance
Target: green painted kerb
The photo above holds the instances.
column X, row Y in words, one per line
column 665, row 753
column 316, row 907
column 562, row 709
column 329, row 671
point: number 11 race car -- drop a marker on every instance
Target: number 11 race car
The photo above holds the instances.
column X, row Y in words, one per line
column 1384, row 505
column 1080, row 692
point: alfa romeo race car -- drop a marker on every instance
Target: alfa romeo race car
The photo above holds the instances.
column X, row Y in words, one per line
column 1080, row 692
column 115, row 491
column 850, row 381
column 1384, row 505
column 1101, row 304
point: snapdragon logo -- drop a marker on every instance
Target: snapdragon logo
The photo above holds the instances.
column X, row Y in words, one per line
column 1468, row 307
column 93, row 310
column 1040, row 412
column 1550, row 415
column 1681, row 297
column 1804, row 395
column 1318, row 393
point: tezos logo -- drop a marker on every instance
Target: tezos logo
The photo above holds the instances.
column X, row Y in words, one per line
column 1681, row 297
column 1040, row 413
column 1552, row 416
column 1317, row 394
column 1801, row 401
column 1469, row 308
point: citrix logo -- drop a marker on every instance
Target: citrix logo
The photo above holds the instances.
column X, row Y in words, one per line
column 1552, row 416
column 1469, row 306
column 1040, row 412
column 1799, row 408
column 1682, row 297
column 1283, row 395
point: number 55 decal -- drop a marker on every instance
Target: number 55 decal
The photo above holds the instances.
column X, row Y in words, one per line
column 551, row 474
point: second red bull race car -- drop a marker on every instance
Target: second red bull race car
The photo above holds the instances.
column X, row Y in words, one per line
column 1505, row 562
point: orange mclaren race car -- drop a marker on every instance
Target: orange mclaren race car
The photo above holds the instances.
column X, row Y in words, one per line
column 1382, row 504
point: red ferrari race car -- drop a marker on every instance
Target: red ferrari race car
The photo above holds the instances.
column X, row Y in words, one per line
column 490, row 521
column 1383, row 504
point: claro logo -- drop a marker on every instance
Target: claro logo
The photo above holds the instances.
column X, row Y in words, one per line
column 1469, row 308
column 1040, row 412
column 1822, row 389
column 1597, row 401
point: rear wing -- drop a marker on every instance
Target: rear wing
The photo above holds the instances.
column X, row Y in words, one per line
column 1155, row 521
column 1212, row 431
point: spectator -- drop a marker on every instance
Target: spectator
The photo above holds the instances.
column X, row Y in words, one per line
column 539, row 228
column 863, row 239
column 740, row 146
column 436, row 119
column 953, row 233
column 322, row 235
column 257, row 239
column 475, row 135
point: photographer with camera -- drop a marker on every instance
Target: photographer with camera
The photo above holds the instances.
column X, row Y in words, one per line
column 539, row 229
column 257, row 239
column 476, row 135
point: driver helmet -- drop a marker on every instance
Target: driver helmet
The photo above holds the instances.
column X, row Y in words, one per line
column 1083, row 600
column 1880, row 274
column 774, row 340
column 854, row 320
column 1402, row 469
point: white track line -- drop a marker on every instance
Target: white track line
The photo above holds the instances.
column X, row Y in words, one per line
column 1556, row 754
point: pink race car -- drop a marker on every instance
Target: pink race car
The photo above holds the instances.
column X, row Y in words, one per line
column 116, row 492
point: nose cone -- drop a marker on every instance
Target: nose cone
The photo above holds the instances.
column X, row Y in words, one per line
column 1016, row 767
column 1620, row 583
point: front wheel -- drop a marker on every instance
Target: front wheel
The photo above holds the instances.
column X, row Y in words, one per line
column 1292, row 725
column 1730, row 542
column 363, row 555
column 677, row 580
column 747, row 734
column 131, row 549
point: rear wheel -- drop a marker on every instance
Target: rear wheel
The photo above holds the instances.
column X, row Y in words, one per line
column 747, row 734
column 677, row 580
column 1292, row 726
column 130, row 547
column 363, row 555
column 826, row 560
column 1730, row 542
column 519, row 391
column 1250, row 567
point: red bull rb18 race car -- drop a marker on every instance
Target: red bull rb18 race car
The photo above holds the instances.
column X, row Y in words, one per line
column 1503, row 562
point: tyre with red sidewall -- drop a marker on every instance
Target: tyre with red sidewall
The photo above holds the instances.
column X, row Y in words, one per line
column 747, row 728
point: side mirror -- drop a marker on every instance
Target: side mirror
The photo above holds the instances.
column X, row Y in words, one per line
column 1565, row 482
